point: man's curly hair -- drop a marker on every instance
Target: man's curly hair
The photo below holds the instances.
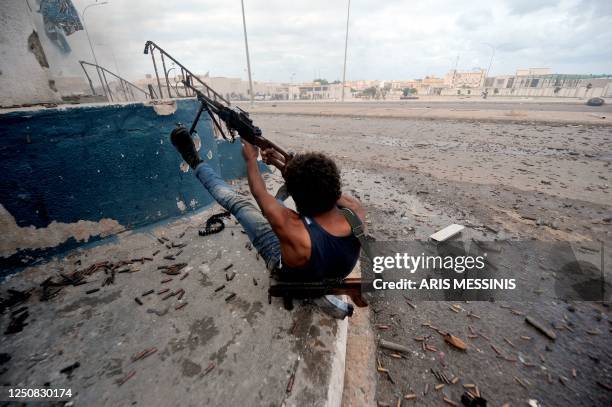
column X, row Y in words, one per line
column 313, row 180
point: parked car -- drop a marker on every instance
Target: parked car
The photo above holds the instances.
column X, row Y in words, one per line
column 595, row 102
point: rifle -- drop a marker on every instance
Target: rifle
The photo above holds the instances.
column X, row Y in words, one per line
column 290, row 290
column 238, row 121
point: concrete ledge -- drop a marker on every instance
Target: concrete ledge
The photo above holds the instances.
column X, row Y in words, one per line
column 214, row 351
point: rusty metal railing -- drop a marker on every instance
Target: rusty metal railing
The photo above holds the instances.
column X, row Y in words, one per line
column 185, row 74
column 125, row 87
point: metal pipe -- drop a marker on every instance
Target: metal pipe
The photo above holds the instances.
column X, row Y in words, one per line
column 93, row 91
column 101, row 81
column 132, row 86
column 150, row 45
column 110, row 94
column 166, row 74
column 161, row 94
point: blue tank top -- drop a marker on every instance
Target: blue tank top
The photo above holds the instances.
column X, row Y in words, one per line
column 330, row 256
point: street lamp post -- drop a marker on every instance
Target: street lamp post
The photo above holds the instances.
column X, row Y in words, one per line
column 348, row 13
column 89, row 40
column 246, row 45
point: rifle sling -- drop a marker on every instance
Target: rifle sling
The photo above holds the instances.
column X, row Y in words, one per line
column 357, row 228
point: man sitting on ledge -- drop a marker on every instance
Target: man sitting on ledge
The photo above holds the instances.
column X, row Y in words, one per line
column 312, row 244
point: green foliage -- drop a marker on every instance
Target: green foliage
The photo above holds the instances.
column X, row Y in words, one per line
column 371, row 91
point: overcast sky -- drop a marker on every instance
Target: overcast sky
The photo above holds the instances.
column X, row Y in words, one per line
column 388, row 39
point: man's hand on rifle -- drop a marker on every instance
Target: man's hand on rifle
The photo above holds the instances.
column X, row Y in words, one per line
column 272, row 157
column 249, row 151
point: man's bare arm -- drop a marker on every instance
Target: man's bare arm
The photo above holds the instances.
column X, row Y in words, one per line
column 271, row 208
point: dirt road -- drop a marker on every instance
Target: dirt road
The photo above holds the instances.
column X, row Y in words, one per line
column 531, row 180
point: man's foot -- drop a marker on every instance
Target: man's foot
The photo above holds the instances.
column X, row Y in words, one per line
column 182, row 141
column 334, row 306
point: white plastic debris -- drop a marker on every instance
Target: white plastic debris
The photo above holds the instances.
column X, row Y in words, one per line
column 447, row 233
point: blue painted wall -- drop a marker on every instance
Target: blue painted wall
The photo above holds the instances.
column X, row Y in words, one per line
column 106, row 161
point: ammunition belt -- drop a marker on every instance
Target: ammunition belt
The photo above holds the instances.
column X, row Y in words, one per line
column 214, row 224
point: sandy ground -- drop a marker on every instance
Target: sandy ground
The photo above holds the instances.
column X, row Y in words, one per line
column 503, row 179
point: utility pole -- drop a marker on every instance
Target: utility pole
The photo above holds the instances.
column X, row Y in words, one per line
column 246, row 45
column 348, row 13
column 455, row 71
column 491, row 60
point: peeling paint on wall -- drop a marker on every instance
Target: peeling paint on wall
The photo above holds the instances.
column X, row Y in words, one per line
column 36, row 48
column 15, row 238
column 66, row 165
column 164, row 107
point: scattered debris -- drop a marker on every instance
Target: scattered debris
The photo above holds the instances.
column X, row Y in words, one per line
column 393, row 346
column 454, row 341
column 292, row 377
column 158, row 313
column 209, row 369
column 172, row 270
column 180, row 293
column 540, row 327
column 449, row 401
column 17, row 323
column 604, row 385
column 126, row 377
column 70, row 368
column 470, row 400
column 519, row 381
column 144, row 354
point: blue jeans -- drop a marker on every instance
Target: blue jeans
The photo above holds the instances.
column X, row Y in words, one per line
column 255, row 225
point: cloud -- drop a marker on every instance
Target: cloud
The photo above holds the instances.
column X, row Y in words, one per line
column 387, row 40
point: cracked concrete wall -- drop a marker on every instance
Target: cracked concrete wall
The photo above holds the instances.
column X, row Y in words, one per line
column 78, row 173
column 25, row 77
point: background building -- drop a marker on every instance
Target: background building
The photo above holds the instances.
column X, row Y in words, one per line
column 464, row 79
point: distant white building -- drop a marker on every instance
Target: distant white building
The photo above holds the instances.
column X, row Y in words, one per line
column 318, row 91
column 533, row 71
